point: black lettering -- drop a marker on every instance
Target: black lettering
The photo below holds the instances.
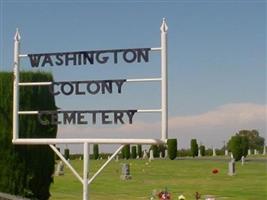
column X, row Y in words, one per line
column 93, row 117
column 35, row 59
column 64, row 90
column 130, row 114
column 105, row 118
column 118, row 115
column 59, row 59
column 119, row 84
column 143, row 53
column 92, row 91
column 125, row 57
column 70, row 57
column 52, row 89
column 54, row 118
column 115, row 56
column 103, row 60
column 80, row 117
column 42, row 119
column 106, row 86
column 77, row 89
column 47, row 60
column 69, row 117
column 88, row 56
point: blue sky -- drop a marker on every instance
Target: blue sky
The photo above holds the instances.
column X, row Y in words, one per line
column 217, row 59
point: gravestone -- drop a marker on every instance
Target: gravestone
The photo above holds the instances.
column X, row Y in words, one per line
column 264, row 150
column 199, row 153
column 243, row 160
column 60, row 169
column 249, row 152
column 231, row 168
column 232, row 156
column 213, row 152
column 226, row 152
column 166, row 154
column 125, row 172
column 151, row 156
column 160, row 155
column 117, row 158
column 255, row 152
column 145, row 155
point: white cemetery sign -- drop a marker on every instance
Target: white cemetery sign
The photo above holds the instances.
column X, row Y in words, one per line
column 89, row 87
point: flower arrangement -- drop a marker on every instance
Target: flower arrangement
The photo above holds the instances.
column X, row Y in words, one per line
column 164, row 195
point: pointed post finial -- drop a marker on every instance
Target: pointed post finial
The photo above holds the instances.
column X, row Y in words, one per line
column 164, row 27
column 17, row 35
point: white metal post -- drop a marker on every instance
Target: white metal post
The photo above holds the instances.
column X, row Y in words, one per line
column 85, row 170
column 16, row 85
column 164, row 82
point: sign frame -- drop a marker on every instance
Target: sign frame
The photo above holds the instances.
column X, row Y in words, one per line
column 86, row 141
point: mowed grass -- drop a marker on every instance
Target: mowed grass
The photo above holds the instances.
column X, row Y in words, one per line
column 179, row 176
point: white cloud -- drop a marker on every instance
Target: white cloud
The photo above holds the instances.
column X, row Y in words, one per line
column 210, row 128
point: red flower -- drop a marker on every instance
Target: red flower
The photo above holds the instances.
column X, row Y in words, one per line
column 215, row 171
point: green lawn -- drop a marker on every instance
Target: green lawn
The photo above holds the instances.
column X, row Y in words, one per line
column 179, row 176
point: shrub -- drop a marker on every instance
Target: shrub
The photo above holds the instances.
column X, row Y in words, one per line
column 139, row 150
column 134, row 154
column 194, row 147
column 155, row 150
column 95, row 152
column 202, row 150
column 172, row 148
column 238, row 145
column 126, row 151
column 26, row 170
column 67, row 154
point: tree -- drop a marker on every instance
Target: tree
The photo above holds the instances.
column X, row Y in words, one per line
column 255, row 141
column 238, row 145
column 95, row 151
column 134, row 154
column 202, row 150
column 162, row 149
column 194, row 147
column 67, row 154
column 155, row 150
column 172, row 148
column 139, row 150
column 26, row 170
column 126, row 152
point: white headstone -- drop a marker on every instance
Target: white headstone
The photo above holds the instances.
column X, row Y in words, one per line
column 117, row 158
column 213, row 152
column 166, row 154
column 145, row 155
column 160, row 155
column 226, row 152
column 231, row 168
column 199, row 153
column 137, row 157
column 249, row 152
column 232, row 156
column 242, row 160
column 264, row 150
column 255, row 152
column 60, row 169
column 151, row 156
